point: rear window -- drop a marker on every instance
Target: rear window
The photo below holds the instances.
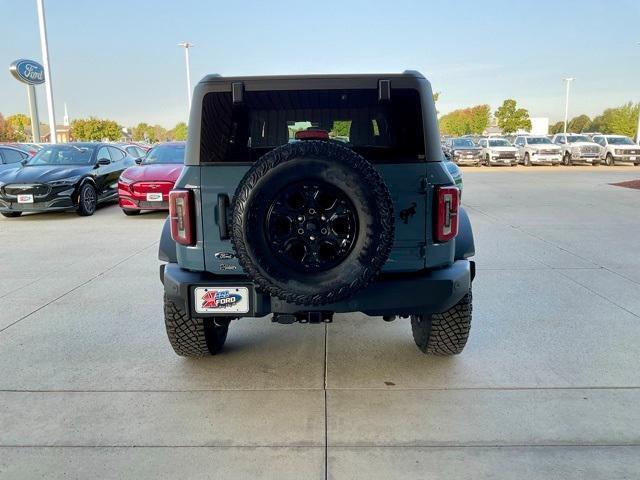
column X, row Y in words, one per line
column 463, row 143
column 380, row 131
column 165, row 154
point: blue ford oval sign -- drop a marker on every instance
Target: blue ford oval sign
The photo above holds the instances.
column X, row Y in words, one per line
column 27, row 71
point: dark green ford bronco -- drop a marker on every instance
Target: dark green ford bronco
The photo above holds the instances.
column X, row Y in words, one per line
column 305, row 196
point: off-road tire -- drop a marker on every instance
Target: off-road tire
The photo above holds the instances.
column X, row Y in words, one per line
column 609, row 160
column 348, row 172
column 130, row 212
column 487, row 161
column 190, row 336
column 527, row 160
column 566, row 160
column 11, row 214
column 444, row 333
column 87, row 200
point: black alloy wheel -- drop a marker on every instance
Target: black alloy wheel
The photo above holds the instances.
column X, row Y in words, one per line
column 87, row 200
column 311, row 225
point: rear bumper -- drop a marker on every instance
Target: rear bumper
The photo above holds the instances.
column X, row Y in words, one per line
column 425, row 292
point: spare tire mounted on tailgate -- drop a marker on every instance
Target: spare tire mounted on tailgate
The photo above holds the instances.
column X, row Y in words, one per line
column 312, row 222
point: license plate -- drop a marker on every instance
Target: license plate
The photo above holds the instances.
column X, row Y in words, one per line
column 154, row 197
column 221, row 300
column 632, row 158
column 25, row 198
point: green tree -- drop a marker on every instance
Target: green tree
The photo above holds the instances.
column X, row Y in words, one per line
column 510, row 118
column 478, row 118
column 341, row 128
column 621, row 120
column 149, row 133
column 597, row 124
column 139, row 132
column 579, row 124
column 3, row 129
column 466, row 121
column 18, row 124
column 557, row 127
column 95, row 129
column 179, row 132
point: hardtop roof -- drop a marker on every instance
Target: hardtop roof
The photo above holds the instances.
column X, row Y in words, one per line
column 216, row 78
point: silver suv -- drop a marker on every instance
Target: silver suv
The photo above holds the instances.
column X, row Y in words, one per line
column 617, row 148
column 498, row 151
column 537, row 150
column 577, row 149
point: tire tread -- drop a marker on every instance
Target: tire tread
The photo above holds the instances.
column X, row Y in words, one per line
column 444, row 333
column 189, row 336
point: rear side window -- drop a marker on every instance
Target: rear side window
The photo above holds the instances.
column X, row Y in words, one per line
column 380, row 131
column 13, row 156
column 116, row 154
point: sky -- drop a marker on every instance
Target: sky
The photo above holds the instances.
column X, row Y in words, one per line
column 119, row 59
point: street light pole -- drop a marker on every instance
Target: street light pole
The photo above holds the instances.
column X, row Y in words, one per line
column 638, row 130
column 187, row 46
column 566, row 103
column 47, row 71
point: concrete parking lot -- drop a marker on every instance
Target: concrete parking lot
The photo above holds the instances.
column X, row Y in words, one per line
column 548, row 386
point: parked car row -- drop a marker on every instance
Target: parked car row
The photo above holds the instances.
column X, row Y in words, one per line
column 528, row 150
column 81, row 175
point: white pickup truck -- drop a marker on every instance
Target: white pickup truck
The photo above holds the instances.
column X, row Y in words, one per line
column 577, row 149
column 617, row 148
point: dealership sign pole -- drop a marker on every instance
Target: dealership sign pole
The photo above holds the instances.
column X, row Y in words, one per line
column 47, row 71
column 31, row 73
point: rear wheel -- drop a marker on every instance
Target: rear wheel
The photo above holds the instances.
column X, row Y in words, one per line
column 193, row 337
column 87, row 200
column 609, row 160
column 11, row 214
column 130, row 212
column 444, row 333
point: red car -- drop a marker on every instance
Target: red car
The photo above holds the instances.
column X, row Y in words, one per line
column 147, row 186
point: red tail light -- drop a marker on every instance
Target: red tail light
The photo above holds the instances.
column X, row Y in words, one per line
column 181, row 216
column 447, row 200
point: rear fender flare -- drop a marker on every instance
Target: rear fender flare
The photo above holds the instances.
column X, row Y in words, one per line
column 465, row 246
column 167, row 247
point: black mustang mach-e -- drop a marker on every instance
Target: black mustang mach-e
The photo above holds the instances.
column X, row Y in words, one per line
column 71, row 176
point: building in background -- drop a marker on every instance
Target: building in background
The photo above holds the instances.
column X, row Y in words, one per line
column 63, row 133
column 539, row 125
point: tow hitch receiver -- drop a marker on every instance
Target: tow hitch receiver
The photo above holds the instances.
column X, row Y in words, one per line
column 303, row 317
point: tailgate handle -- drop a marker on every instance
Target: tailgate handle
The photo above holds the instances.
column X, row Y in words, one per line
column 223, row 205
